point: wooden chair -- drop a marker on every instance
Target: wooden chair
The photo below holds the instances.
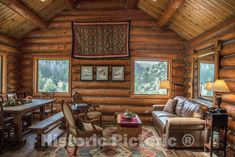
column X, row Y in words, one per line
column 92, row 113
column 49, row 109
column 27, row 119
column 21, row 94
column 6, row 126
column 79, row 127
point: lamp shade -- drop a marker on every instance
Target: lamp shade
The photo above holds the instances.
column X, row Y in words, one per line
column 165, row 84
column 220, row 86
column 208, row 86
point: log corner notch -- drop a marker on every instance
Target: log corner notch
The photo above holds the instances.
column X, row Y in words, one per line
column 26, row 12
column 131, row 4
column 170, row 10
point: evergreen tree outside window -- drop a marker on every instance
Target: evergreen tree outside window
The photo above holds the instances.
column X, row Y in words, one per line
column 53, row 75
column 147, row 77
column 207, row 72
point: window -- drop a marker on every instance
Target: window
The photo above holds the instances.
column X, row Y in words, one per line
column 52, row 75
column 1, row 73
column 147, row 75
column 206, row 75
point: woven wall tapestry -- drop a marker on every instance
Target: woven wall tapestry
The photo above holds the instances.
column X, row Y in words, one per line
column 100, row 40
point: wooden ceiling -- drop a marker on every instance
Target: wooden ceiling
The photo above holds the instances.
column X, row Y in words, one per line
column 194, row 16
column 188, row 18
column 15, row 25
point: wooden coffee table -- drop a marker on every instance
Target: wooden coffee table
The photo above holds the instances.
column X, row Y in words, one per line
column 129, row 131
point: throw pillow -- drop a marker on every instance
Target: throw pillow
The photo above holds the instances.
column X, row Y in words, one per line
column 170, row 106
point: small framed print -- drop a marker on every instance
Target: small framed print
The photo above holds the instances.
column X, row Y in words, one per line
column 102, row 73
column 118, row 73
column 86, row 73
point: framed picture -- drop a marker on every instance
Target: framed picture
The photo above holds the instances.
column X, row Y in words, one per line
column 86, row 73
column 118, row 73
column 102, row 73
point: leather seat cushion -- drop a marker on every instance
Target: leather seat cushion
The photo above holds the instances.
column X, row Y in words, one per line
column 89, row 131
column 163, row 114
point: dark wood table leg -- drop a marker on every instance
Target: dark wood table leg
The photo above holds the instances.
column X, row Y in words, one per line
column 18, row 132
column 42, row 111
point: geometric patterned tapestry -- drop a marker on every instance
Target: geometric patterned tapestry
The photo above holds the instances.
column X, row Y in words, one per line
column 100, row 40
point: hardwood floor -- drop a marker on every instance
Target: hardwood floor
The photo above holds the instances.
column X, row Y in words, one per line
column 28, row 150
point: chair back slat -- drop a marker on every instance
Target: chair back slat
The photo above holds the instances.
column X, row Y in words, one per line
column 21, row 94
column 3, row 98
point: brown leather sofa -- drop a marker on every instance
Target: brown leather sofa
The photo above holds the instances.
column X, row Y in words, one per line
column 184, row 128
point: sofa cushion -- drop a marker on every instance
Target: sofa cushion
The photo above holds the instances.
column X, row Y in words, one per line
column 170, row 106
column 163, row 114
column 182, row 123
column 193, row 108
column 179, row 105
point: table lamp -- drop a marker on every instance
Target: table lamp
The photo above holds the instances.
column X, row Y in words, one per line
column 165, row 84
column 220, row 87
column 208, row 86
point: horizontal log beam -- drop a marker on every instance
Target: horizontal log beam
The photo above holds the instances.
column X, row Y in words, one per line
column 131, row 4
column 26, row 12
column 8, row 40
column 169, row 12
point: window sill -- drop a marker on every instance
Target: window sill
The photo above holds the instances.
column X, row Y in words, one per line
column 142, row 96
column 55, row 94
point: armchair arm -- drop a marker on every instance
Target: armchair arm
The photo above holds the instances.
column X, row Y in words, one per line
column 90, row 121
column 187, row 123
column 158, row 107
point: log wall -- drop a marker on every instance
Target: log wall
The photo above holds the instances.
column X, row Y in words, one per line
column 226, row 71
column 145, row 41
column 9, row 49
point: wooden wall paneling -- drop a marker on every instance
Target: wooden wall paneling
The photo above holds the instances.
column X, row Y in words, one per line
column 9, row 49
column 226, row 69
column 145, row 41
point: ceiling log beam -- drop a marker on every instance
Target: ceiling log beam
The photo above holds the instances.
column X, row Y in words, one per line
column 170, row 10
column 131, row 4
column 26, row 12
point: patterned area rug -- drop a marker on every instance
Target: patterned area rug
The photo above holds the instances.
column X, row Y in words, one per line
column 148, row 147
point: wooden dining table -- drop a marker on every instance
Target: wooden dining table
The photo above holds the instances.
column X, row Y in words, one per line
column 20, row 110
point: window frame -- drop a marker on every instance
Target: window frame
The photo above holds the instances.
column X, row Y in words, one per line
column 4, row 66
column 35, row 74
column 209, row 98
column 152, row 96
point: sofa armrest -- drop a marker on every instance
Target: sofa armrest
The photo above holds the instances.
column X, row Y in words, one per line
column 185, row 123
column 158, row 107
